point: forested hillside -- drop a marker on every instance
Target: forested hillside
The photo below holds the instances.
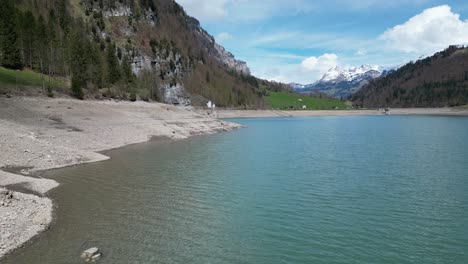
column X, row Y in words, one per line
column 127, row 49
column 437, row 81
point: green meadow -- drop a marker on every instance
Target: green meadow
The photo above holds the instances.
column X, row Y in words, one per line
column 14, row 78
column 286, row 100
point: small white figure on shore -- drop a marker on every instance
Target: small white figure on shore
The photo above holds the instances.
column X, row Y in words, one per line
column 209, row 104
column 304, row 107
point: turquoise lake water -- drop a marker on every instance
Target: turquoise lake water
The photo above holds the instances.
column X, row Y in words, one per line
column 360, row 189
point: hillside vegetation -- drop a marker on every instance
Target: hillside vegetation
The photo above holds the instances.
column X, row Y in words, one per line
column 294, row 101
column 25, row 78
column 437, row 81
column 128, row 49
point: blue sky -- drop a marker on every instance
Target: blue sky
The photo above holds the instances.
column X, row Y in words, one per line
column 299, row 40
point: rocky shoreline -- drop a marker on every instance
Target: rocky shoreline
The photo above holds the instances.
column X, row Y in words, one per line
column 22, row 216
column 42, row 133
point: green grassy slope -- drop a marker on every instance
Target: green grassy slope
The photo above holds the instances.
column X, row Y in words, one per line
column 13, row 78
column 285, row 100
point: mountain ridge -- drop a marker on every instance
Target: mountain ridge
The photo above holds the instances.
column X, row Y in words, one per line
column 126, row 49
column 440, row 80
column 341, row 83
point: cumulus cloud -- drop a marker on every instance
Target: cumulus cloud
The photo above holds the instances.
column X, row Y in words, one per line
column 432, row 30
column 305, row 71
column 222, row 37
column 205, row 10
column 320, row 65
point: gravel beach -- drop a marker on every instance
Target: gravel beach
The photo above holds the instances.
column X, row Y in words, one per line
column 42, row 133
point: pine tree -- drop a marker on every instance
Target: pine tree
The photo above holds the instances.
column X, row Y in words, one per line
column 63, row 16
column 28, row 29
column 95, row 67
column 113, row 65
column 127, row 69
column 9, row 43
column 78, row 65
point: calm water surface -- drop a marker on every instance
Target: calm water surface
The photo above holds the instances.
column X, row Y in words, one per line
column 383, row 189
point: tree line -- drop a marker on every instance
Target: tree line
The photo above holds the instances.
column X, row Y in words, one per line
column 436, row 81
column 60, row 45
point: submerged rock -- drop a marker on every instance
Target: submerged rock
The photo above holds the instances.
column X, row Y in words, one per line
column 91, row 254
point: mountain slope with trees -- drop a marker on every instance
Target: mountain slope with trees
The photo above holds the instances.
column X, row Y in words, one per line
column 437, row 81
column 127, row 49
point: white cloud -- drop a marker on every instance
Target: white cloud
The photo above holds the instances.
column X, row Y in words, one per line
column 432, row 30
column 243, row 10
column 361, row 52
column 320, row 65
column 375, row 4
column 222, row 37
column 304, row 71
column 205, row 10
column 309, row 40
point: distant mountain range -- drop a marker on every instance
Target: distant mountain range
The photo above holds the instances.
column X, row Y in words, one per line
column 437, row 81
column 338, row 82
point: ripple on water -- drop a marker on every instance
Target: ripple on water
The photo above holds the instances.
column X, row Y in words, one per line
column 287, row 190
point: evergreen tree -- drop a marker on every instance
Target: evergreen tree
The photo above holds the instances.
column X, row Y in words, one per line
column 41, row 43
column 63, row 16
column 28, row 29
column 78, row 65
column 127, row 69
column 113, row 65
column 9, row 43
column 95, row 68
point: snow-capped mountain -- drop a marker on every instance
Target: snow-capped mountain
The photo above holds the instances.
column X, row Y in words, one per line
column 337, row 74
column 338, row 82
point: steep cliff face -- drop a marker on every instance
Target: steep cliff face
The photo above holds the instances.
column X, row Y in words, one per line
column 130, row 50
column 218, row 51
column 173, row 58
column 230, row 61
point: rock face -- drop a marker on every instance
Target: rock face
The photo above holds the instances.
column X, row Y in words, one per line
column 170, row 67
column 175, row 95
column 339, row 82
column 218, row 51
column 160, row 58
column 229, row 60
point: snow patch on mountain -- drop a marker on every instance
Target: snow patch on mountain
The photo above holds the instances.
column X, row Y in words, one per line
column 336, row 74
column 342, row 82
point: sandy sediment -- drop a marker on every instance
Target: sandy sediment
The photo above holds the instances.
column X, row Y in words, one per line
column 42, row 133
column 22, row 216
column 396, row 111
